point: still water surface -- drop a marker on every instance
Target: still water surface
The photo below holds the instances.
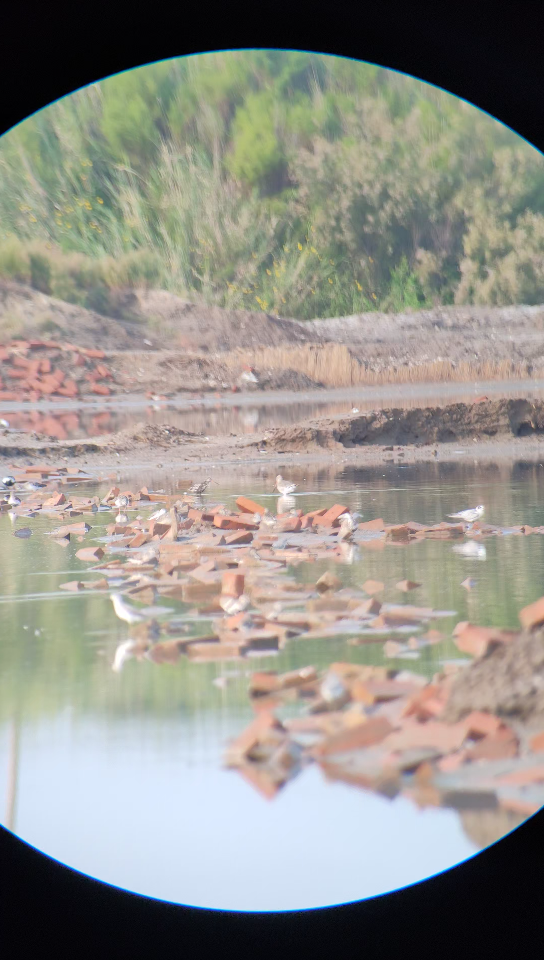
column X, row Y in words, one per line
column 120, row 775
column 245, row 413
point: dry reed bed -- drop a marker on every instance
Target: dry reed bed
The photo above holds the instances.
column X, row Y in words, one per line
column 335, row 366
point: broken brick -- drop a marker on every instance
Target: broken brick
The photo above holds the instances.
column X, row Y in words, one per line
column 232, row 583
column 364, row 734
column 90, row 553
column 245, row 505
column 330, row 517
column 373, row 586
column 532, row 615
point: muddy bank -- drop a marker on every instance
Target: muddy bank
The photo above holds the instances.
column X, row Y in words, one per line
column 508, row 682
column 159, row 342
column 447, row 424
column 519, row 435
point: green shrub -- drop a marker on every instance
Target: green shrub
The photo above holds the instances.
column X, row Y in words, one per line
column 40, row 272
column 14, row 263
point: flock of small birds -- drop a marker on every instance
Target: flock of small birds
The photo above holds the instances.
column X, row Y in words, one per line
column 231, row 605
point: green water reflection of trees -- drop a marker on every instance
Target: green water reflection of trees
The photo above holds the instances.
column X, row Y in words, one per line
column 69, row 663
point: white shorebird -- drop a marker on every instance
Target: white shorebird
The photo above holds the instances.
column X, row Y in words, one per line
column 284, row 487
column 8, row 481
column 469, row 516
column 158, row 514
column 234, row 605
column 12, row 500
column 124, row 611
column 121, row 502
column 348, row 523
column 472, row 550
column 33, row 486
column 121, row 518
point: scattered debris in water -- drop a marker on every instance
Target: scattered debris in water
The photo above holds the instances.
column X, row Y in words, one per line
column 458, row 740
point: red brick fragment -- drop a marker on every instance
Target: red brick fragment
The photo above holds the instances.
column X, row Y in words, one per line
column 476, row 641
column 245, row 505
column 376, row 524
column 330, row 517
column 532, row 615
column 536, row 743
column 232, row 583
column 289, row 525
column 94, row 354
column 90, row 553
column 365, row 734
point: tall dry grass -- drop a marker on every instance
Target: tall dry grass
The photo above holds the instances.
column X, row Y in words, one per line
column 335, row 366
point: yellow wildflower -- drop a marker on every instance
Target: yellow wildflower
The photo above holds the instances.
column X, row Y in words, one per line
column 330, row 281
column 99, row 200
column 33, row 219
column 359, row 287
column 313, row 249
column 269, row 272
column 300, row 246
column 68, row 226
column 374, row 296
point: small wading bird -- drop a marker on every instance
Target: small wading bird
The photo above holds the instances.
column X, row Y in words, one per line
column 348, row 523
column 469, row 516
column 199, row 488
column 158, row 514
column 284, row 487
column 121, row 518
column 124, row 611
column 121, row 502
column 267, row 519
column 8, row 481
column 12, row 500
column 234, row 605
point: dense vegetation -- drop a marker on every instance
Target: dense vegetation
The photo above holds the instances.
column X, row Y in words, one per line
column 300, row 184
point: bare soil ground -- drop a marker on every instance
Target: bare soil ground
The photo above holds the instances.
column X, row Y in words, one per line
column 495, row 430
column 183, row 346
column 508, row 682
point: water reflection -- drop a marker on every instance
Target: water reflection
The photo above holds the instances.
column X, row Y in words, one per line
column 221, row 416
column 83, row 737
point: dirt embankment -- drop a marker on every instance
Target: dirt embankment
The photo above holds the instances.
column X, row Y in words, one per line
column 504, row 428
column 446, row 424
column 508, row 682
column 206, row 347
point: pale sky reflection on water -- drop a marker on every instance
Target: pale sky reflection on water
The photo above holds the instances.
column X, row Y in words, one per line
column 200, row 835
